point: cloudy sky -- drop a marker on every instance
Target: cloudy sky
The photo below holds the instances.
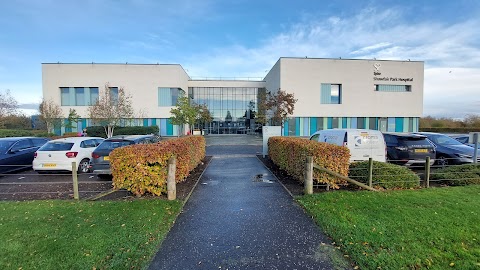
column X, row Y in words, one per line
column 241, row 38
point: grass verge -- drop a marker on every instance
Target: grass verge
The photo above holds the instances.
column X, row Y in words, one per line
column 435, row 228
column 84, row 234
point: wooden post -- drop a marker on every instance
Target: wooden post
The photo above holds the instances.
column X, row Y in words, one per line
column 171, row 185
column 370, row 171
column 475, row 150
column 427, row 173
column 76, row 196
column 309, row 176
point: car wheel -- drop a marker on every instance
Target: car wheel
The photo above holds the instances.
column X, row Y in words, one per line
column 442, row 161
column 83, row 166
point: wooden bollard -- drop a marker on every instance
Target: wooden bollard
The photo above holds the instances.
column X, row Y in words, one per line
column 309, row 176
column 171, row 185
column 76, row 195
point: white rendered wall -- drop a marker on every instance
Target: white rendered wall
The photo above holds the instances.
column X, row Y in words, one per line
column 140, row 81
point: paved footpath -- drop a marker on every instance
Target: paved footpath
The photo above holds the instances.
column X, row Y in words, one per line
column 235, row 221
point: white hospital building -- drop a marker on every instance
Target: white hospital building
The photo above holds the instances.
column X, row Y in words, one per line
column 332, row 93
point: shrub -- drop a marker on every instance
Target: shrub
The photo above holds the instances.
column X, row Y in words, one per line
column 290, row 154
column 98, row 131
column 24, row 133
column 385, row 175
column 458, row 175
column 142, row 168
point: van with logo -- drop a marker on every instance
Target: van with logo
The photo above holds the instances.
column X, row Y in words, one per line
column 363, row 143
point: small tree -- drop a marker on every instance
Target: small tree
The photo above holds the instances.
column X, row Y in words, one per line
column 8, row 106
column 72, row 119
column 184, row 113
column 50, row 114
column 203, row 115
column 280, row 104
column 110, row 109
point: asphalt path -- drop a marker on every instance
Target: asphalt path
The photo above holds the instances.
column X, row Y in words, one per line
column 240, row 217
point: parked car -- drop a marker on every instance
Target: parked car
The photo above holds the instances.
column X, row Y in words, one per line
column 58, row 155
column 17, row 153
column 100, row 161
column 363, row 143
column 464, row 139
column 408, row 149
column 448, row 150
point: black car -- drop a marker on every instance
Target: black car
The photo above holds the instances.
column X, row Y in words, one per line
column 100, row 161
column 408, row 149
column 449, row 151
column 16, row 153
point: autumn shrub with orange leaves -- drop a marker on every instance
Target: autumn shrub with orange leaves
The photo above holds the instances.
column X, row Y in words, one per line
column 143, row 168
column 290, row 154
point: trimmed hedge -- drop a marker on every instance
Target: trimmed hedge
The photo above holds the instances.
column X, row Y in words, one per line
column 385, row 175
column 24, row 133
column 460, row 175
column 142, row 168
column 450, row 130
column 99, row 131
column 290, row 154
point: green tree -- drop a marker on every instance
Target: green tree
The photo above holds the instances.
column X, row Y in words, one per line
column 111, row 108
column 50, row 114
column 204, row 116
column 184, row 113
column 72, row 119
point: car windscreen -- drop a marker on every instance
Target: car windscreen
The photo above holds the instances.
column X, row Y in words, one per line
column 110, row 145
column 415, row 142
column 443, row 140
column 4, row 146
column 56, row 146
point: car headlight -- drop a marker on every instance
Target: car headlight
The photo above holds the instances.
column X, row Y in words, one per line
column 464, row 156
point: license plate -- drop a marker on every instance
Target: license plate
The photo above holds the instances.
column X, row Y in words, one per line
column 49, row 165
column 421, row 150
column 106, row 158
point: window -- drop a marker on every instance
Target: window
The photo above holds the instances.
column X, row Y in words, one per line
column 169, row 96
column 79, row 96
column 113, row 94
column 393, row 88
column 331, row 93
column 21, row 145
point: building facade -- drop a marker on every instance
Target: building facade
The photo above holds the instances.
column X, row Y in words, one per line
column 331, row 93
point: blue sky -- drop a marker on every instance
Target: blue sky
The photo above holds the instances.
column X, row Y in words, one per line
column 241, row 38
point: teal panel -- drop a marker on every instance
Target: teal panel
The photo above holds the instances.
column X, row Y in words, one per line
column 145, row 122
column 84, row 123
column 154, row 121
column 285, row 128
column 399, row 124
column 313, row 125
column 392, row 88
column 297, row 126
column 65, row 123
column 344, row 122
column 329, row 122
column 326, row 92
column 169, row 128
column 406, row 123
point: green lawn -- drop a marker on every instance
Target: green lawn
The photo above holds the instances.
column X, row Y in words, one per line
column 437, row 228
column 83, row 235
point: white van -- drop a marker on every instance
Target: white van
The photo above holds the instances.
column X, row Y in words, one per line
column 363, row 143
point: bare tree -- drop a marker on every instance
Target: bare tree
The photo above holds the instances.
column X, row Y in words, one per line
column 111, row 108
column 280, row 105
column 50, row 114
column 8, row 106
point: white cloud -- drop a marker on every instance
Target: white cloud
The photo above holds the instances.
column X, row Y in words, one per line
column 370, row 34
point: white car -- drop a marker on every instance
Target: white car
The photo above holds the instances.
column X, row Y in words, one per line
column 58, row 155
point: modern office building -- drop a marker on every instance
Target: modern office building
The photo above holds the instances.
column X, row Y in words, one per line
column 331, row 93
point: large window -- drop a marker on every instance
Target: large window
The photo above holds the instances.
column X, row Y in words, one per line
column 169, row 96
column 393, row 88
column 78, row 96
column 331, row 93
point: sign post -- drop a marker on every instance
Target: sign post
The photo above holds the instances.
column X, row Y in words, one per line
column 267, row 132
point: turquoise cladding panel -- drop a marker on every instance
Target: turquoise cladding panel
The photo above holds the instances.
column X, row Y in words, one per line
column 145, row 122
column 285, row 127
column 344, row 122
column 169, row 128
column 313, row 125
column 329, row 122
column 399, row 124
column 297, row 126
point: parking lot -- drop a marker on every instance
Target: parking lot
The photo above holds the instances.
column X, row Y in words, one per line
column 29, row 185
